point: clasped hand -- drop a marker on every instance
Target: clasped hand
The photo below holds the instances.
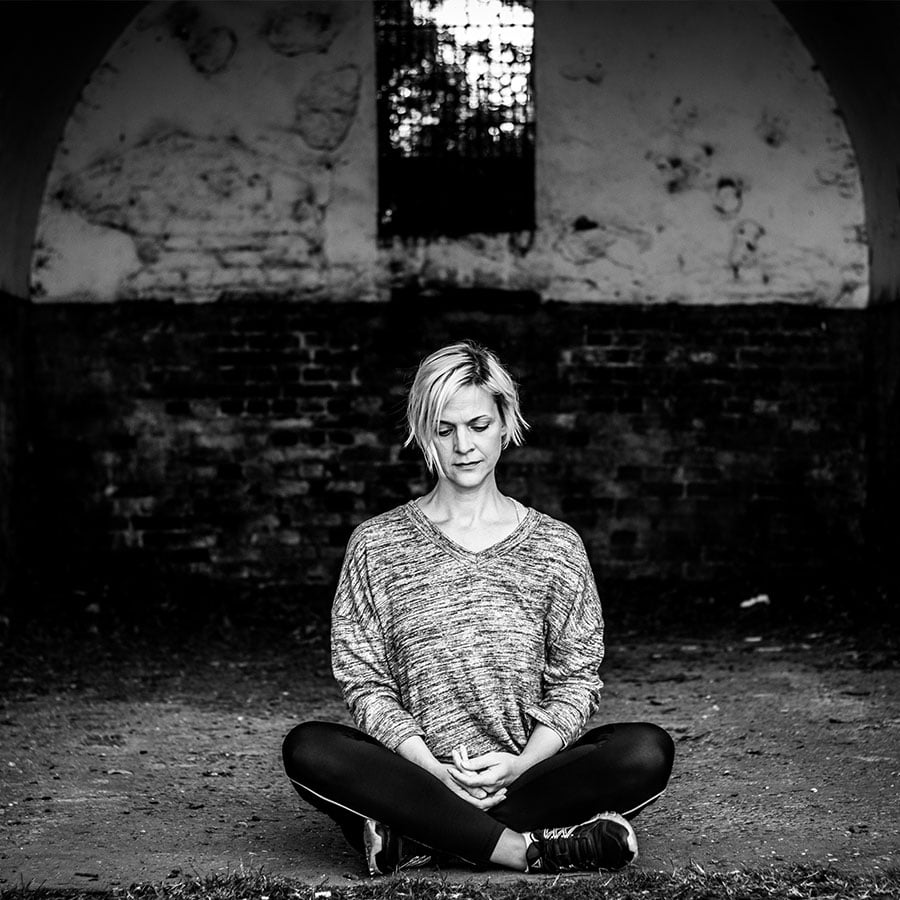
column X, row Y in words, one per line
column 483, row 779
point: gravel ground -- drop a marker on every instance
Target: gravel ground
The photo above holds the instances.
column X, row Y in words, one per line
column 123, row 764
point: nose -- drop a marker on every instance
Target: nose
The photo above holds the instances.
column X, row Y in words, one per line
column 463, row 440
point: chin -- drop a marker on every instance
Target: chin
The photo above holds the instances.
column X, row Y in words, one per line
column 470, row 477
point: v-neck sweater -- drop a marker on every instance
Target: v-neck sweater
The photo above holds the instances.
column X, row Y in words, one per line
column 463, row 647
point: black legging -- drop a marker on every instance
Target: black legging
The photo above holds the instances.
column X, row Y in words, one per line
column 351, row 776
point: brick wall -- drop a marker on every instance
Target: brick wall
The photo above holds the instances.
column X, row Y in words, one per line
column 228, row 449
column 12, row 330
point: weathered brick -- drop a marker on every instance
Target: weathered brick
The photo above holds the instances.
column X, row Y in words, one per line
column 680, row 458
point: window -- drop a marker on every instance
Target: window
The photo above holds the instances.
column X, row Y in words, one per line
column 455, row 116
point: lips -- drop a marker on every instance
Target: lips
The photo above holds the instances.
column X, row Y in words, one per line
column 467, row 465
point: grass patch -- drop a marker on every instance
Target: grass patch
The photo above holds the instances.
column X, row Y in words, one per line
column 691, row 883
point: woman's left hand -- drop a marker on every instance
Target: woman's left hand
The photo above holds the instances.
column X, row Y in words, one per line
column 490, row 771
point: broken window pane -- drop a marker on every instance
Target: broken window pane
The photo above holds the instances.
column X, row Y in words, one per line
column 455, row 116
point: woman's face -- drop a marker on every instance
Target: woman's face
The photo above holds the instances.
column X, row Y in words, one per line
column 469, row 437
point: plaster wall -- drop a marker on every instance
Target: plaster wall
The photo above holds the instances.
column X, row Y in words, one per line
column 692, row 152
column 220, row 147
column 687, row 152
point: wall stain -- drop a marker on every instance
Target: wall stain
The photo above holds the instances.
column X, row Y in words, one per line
column 326, row 107
column 291, row 31
column 729, row 196
column 744, row 252
column 772, row 128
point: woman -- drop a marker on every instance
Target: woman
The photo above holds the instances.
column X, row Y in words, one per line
column 467, row 636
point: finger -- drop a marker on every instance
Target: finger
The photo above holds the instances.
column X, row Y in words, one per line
column 476, row 792
column 487, row 803
column 458, row 761
column 484, row 761
column 494, row 799
column 474, row 779
column 473, row 798
column 467, row 779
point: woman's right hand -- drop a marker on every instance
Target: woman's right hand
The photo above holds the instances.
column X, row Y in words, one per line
column 477, row 796
column 415, row 750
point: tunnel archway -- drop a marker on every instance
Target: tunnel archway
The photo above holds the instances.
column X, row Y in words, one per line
column 49, row 52
column 52, row 48
column 50, row 56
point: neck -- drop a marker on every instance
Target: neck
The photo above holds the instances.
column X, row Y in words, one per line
column 449, row 501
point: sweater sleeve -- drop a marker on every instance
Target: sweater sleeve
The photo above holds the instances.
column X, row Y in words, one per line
column 571, row 681
column 359, row 655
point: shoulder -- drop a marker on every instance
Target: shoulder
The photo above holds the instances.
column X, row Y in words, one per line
column 558, row 542
column 556, row 531
column 383, row 529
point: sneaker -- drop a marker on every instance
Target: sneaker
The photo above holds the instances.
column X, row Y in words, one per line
column 387, row 851
column 605, row 842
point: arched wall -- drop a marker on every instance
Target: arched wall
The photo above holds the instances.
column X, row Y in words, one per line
column 48, row 58
column 49, row 52
column 69, row 338
column 686, row 153
column 855, row 46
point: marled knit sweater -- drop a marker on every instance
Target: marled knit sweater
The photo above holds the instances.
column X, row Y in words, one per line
column 466, row 648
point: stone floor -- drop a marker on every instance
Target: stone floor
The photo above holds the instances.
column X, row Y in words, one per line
column 121, row 765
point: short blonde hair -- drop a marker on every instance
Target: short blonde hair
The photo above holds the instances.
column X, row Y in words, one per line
column 441, row 375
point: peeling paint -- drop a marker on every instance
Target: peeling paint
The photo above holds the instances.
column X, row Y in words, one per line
column 684, row 166
column 326, row 108
column 591, row 72
column 685, row 152
column 211, row 51
column 618, row 243
column 729, row 196
column 843, row 177
column 744, row 252
column 291, row 30
column 180, row 182
column 209, row 48
column 772, row 128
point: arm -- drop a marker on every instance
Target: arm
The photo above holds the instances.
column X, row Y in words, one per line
column 360, row 655
column 574, row 652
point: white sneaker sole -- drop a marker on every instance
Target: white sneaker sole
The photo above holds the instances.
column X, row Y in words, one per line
column 373, row 844
column 631, row 841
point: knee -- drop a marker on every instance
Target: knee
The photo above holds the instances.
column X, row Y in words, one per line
column 652, row 751
column 306, row 748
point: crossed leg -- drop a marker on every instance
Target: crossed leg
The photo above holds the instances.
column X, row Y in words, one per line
column 350, row 777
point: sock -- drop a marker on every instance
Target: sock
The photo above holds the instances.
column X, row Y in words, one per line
column 532, row 851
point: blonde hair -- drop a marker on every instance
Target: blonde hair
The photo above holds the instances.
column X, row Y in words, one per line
column 440, row 376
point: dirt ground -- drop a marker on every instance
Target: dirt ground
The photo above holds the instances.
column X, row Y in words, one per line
column 123, row 765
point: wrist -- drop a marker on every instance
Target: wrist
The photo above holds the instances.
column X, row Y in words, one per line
column 522, row 763
column 416, row 751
